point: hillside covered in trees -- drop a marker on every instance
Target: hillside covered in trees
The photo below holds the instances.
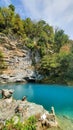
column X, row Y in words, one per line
column 53, row 46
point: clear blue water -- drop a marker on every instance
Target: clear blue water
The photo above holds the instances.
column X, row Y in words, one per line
column 61, row 97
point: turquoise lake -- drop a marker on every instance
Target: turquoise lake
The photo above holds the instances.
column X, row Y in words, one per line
column 59, row 96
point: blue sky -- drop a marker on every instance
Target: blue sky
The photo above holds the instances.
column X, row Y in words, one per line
column 58, row 13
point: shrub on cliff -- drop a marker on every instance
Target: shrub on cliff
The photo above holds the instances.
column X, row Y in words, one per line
column 29, row 124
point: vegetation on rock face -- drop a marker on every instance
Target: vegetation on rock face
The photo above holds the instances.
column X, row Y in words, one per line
column 2, row 62
column 29, row 124
column 53, row 46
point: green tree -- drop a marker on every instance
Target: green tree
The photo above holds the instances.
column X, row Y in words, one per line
column 2, row 22
column 11, row 7
column 49, row 64
column 60, row 39
column 17, row 25
column 6, row 16
column 64, row 63
column 29, row 27
column 6, row 13
column 69, row 70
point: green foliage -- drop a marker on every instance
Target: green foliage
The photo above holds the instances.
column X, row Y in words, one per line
column 64, row 63
column 2, row 22
column 11, row 7
column 69, row 72
column 54, row 47
column 30, row 123
column 30, row 44
column 60, row 39
column 10, row 125
column 7, row 15
column 27, row 125
column 2, row 63
column 58, row 67
column 17, row 25
column 49, row 64
column 28, row 27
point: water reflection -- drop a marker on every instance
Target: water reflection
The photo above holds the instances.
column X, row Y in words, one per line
column 21, row 90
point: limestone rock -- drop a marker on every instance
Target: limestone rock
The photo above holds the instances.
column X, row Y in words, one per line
column 6, row 93
column 49, row 119
column 15, row 119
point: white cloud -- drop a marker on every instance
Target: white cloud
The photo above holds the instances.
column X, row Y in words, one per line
column 56, row 12
column 46, row 8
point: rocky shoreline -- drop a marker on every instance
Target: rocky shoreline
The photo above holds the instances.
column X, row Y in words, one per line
column 22, row 109
column 11, row 108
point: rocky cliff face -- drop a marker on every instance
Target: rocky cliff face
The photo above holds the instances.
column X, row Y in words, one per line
column 18, row 59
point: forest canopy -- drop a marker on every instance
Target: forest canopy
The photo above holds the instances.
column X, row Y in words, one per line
column 53, row 45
